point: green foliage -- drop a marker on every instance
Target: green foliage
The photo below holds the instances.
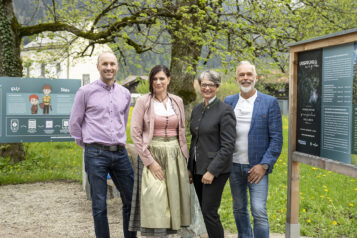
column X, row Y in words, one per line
column 228, row 86
column 128, row 134
column 143, row 87
column 188, row 34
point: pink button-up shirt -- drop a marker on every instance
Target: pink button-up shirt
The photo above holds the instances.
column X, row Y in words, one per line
column 100, row 114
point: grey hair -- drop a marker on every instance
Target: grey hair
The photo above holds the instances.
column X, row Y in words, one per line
column 211, row 75
column 246, row 62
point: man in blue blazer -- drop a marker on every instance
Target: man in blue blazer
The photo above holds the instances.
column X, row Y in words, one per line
column 257, row 148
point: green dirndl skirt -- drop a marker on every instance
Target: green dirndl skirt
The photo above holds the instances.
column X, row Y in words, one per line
column 161, row 207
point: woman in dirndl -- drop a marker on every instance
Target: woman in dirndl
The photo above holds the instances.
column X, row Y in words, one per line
column 161, row 202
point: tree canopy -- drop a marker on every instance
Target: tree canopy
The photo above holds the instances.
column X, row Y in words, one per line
column 190, row 32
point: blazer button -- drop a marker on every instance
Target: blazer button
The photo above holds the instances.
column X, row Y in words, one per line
column 196, row 128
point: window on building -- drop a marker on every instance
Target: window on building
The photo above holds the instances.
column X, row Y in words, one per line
column 85, row 79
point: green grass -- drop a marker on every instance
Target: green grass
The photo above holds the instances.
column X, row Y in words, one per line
column 328, row 201
column 44, row 162
column 354, row 159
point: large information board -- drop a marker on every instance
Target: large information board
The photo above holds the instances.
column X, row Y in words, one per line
column 327, row 103
column 36, row 109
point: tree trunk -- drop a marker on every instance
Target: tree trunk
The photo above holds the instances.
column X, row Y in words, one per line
column 185, row 51
column 10, row 65
column 10, row 41
column 184, row 58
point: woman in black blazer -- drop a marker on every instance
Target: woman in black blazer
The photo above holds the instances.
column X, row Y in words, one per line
column 213, row 132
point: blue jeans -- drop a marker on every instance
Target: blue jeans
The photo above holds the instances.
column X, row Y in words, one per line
column 258, row 198
column 98, row 163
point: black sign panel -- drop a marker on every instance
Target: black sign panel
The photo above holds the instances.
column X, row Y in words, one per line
column 308, row 134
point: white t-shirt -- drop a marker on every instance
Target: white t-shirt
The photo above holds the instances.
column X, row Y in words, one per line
column 243, row 112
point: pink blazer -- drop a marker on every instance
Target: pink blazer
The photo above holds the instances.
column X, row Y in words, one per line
column 142, row 125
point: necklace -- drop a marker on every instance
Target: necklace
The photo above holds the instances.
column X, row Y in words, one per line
column 162, row 99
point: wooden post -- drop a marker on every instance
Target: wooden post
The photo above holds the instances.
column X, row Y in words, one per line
column 292, row 218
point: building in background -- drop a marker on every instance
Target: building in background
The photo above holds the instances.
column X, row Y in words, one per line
column 52, row 58
column 132, row 81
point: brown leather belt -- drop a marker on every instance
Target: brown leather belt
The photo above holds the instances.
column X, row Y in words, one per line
column 112, row 148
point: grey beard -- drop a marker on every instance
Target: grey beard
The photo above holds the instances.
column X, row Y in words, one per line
column 246, row 89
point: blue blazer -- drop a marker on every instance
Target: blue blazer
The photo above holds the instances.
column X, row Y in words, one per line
column 265, row 138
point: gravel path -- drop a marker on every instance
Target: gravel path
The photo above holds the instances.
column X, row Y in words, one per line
column 55, row 209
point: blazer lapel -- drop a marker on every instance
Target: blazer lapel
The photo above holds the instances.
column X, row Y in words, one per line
column 256, row 108
column 235, row 100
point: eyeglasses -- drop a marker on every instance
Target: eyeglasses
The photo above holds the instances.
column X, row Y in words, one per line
column 205, row 85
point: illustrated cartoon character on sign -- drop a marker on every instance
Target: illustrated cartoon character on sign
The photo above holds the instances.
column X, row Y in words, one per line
column 34, row 102
column 46, row 100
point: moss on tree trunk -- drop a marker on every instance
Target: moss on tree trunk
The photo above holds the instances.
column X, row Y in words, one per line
column 10, row 65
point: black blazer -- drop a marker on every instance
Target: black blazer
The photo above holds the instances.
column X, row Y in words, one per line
column 213, row 132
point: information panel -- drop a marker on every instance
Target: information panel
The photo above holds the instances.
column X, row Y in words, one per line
column 337, row 81
column 354, row 108
column 309, row 102
column 36, row 109
column 327, row 103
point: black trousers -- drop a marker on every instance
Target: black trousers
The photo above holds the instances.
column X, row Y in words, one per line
column 209, row 196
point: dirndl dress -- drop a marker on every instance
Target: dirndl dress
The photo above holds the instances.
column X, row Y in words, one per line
column 161, row 207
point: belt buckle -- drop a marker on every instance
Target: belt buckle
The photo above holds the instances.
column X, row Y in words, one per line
column 113, row 148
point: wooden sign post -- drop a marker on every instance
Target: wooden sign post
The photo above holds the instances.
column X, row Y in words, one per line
column 317, row 99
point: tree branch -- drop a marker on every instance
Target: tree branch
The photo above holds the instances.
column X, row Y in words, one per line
column 90, row 35
column 105, row 11
column 54, row 10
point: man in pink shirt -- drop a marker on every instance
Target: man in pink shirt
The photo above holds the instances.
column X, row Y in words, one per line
column 98, row 124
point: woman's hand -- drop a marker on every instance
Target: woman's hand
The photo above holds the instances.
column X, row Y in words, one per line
column 207, row 178
column 190, row 178
column 156, row 170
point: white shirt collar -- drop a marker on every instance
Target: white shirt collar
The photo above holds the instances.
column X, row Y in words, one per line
column 211, row 100
column 250, row 99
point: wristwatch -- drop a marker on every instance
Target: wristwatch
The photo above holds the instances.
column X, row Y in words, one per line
column 265, row 166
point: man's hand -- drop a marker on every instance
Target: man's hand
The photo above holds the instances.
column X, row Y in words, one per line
column 190, row 176
column 207, row 178
column 256, row 173
column 156, row 170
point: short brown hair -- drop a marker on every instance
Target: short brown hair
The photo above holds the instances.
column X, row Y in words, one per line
column 47, row 86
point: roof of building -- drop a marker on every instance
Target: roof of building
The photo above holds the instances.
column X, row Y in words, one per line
column 323, row 37
column 132, row 78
